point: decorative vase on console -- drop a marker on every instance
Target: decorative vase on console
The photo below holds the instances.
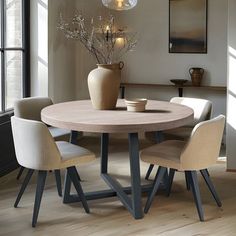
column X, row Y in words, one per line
column 107, row 43
column 196, row 74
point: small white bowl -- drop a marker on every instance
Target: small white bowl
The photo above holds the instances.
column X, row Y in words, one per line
column 136, row 104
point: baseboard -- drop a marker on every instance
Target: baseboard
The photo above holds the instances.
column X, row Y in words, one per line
column 231, row 170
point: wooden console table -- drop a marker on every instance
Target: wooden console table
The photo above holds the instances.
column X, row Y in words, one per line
column 123, row 86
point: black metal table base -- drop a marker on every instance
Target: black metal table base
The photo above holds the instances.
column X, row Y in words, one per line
column 72, row 198
column 133, row 203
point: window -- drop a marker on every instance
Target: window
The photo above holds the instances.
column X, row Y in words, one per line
column 14, row 60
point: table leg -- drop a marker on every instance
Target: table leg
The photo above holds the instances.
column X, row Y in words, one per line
column 104, row 152
column 73, row 137
column 180, row 90
column 135, row 175
column 122, row 94
column 133, row 203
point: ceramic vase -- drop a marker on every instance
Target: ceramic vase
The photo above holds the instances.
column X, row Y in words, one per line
column 196, row 74
column 104, row 85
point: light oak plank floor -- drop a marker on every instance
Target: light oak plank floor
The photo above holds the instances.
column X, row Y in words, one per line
column 175, row 215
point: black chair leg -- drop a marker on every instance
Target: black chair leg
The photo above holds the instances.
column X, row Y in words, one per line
column 158, row 179
column 187, row 180
column 78, row 176
column 67, row 187
column 171, row 177
column 196, row 193
column 72, row 172
column 210, row 185
column 149, row 171
column 20, row 172
column 23, row 186
column 58, row 182
column 38, row 196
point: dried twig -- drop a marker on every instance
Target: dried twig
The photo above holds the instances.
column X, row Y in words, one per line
column 101, row 39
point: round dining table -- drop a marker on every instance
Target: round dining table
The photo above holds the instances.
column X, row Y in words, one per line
column 81, row 116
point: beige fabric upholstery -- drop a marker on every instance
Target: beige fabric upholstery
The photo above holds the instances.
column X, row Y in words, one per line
column 72, row 154
column 35, row 147
column 199, row 152
column 201, row 107
column 58, row 133
column 202, row 111
column 30, row 108
column 165, row 153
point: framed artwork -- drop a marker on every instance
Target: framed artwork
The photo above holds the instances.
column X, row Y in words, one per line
column 188, row 26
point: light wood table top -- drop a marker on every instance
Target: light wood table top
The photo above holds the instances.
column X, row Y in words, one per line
column 80, row 116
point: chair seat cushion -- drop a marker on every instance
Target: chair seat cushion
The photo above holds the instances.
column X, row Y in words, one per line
column 72, row 155
column 166, row 154
column 57, row 132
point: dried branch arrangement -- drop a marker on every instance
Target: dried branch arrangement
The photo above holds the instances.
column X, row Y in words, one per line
column 106, row 42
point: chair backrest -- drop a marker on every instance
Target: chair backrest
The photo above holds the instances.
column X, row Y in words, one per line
column 30, row 108
column 34, row 145
column 202, row 108
column 203, row 147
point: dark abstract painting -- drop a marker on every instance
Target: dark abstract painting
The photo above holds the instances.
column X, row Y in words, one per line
column 188, row 26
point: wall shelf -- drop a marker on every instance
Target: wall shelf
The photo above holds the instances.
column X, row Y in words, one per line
column 123, row 86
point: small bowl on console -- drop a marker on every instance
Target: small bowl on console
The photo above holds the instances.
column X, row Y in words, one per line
column 136, row 104
column 179, row 82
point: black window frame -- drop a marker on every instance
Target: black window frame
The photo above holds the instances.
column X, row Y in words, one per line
column 25, row 52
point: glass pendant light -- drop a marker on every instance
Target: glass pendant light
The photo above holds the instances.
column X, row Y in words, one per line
column 120, row 5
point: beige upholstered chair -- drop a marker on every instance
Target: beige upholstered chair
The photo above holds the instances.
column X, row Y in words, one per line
column 199, row 152
column 30, row 108
column 202, row 111
column 36, row 150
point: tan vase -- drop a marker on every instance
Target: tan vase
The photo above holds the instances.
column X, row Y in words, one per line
column 104, row 85
column 196, row 74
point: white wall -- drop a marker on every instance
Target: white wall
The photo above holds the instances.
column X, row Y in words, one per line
column 151, row 62
column 231, row 93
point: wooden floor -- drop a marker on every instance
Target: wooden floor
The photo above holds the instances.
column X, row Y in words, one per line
column 175, row 215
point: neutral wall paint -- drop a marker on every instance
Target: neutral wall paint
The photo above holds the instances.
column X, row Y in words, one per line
column 231, row 93
column 62, row 56
column 151, row 62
